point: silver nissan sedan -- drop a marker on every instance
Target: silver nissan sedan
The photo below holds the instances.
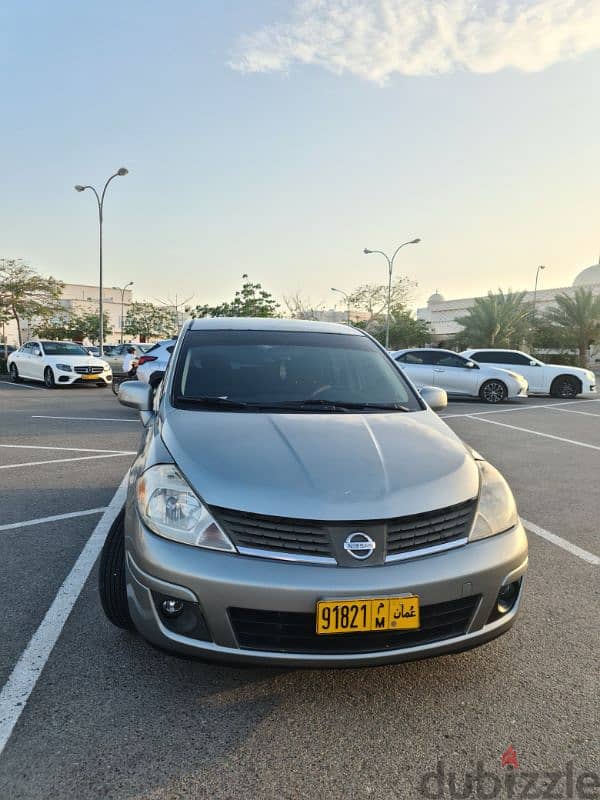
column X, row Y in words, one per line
column 296, row 501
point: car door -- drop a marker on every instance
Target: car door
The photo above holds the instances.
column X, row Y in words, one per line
column 36, row 362
column 517, row 362
column 417, row 364
column 452, row 373
column 115, row 358
column 22, row 359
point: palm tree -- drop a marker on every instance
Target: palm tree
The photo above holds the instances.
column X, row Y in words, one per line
column 497, row 320
column 578, row 319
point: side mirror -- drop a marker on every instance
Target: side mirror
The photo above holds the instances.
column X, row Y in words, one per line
column 472, row 365
column 533, row 364
column 136, row 394
column 436, row 399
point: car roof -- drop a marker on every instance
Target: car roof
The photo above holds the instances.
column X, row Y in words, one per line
column 269, row 324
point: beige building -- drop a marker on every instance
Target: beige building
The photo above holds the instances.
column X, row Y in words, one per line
column 82, row 298
column 442, row 314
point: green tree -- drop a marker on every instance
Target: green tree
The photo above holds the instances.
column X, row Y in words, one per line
column 577, row 318
column 249, row 301
column 405, row 330
column 78, row 327
column 147, row 320
column 372, row 299
column 498, row 320
column 25, row 294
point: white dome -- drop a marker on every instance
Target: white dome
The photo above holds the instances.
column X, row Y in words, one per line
column 588, row 276
column 435, row 298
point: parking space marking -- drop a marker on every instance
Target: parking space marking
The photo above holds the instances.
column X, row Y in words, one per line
column 63, row 460
column 86, row 419
column 535, row 433
column 27, row 670
column 67, row 449
column 585, row 555
column 571, row 411
column 521, row 408
column 55, row 518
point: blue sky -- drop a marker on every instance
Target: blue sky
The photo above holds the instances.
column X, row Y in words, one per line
column 280, row 138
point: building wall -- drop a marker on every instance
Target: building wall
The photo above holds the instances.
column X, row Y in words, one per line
column 82, row 298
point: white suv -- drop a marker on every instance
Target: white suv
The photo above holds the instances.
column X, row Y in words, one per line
column 153, row 363
column 556, row 380
column 57, row 363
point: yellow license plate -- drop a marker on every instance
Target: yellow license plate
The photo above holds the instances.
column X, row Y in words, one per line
column 90, row 377
column 369, row 614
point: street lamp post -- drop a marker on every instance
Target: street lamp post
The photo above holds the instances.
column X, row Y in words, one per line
column 390, row 262
column 123, row 290
column 347, row 296
column 100, row 200
column 537, row 273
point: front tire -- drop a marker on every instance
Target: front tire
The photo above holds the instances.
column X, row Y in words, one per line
column 112, row 585
column 565, row 386
column 493, row 391
column 49, row 378
column 14, row 374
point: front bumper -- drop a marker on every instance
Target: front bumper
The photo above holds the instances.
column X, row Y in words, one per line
column 69, row 378
column 217, row 582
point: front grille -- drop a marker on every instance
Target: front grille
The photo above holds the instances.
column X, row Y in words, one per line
column 430, row 529
column 291, row 632
column 277, row 534
column 312, row 539
column 88, row 370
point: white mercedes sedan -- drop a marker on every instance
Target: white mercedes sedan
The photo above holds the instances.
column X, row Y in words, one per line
column 57, row 363
column 458, row 375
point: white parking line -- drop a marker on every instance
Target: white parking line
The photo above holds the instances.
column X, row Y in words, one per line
column 86, row 419
column 560, row 542
column 19, row 385
column 535, row 433
column 61, row 460
column 67, row 449
column 521, row 408
column 41, row 520
column 572, row 411
column 27, row 670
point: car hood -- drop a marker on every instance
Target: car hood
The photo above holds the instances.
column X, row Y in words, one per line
column 321, row 466
column 80, row 361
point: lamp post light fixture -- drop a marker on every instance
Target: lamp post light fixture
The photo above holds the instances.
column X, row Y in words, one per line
column 347, row 296
column 123, row 290
column 100, row 200
column 390, row 262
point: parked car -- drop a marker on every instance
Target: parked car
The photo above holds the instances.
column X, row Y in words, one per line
column 56, row 363
column 118, row 352
column 153, row 363
column 460, row 376
column 299, row 503
column 557, row 380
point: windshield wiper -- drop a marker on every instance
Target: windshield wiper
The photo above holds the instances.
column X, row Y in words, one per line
column 319, row 404
column 216, row 402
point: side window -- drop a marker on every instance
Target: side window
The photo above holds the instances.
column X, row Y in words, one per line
column 451, row 360
column 485, row 357
column 517, row 358
column 411, row 358
column 170, row 348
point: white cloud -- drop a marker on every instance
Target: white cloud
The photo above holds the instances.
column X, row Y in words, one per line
column 374, row 39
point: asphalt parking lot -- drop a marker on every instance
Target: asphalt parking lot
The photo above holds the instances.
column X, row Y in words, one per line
column 89, row 711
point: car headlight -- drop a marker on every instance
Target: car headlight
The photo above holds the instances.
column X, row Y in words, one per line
column 169, row 507
column 64, row 367
column 497, row 510
column 590, row 376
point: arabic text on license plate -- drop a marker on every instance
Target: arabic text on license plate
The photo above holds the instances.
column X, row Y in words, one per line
column 368, row 614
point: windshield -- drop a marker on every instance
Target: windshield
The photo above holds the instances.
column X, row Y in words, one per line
column 287, row 369
column 64, row 349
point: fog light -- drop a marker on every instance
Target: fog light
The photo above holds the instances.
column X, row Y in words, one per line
column 171, row 607
column 506, row 597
